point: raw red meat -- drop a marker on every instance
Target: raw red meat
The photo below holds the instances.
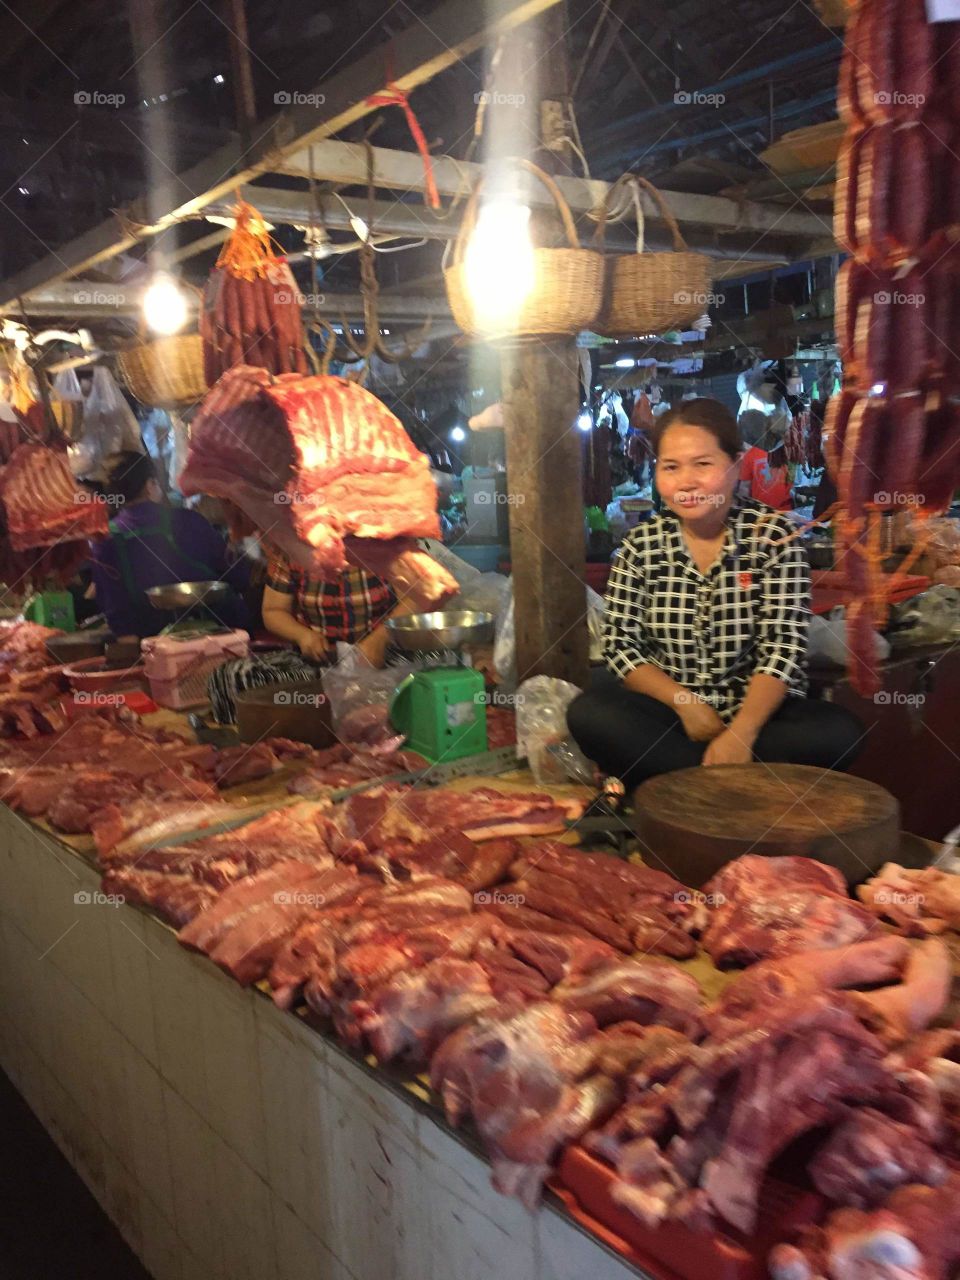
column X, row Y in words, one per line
column 244, row 764
column 43, row 504
column 524, row 1080
column 283, row 878
column 177, row 898
column 914, row 1235
column 640, row 991
column 737, row 1103
column 325, row 470
column 769, row 907
column 918, row 902
column 869, row 1155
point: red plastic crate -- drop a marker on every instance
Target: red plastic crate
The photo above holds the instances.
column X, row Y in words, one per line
column 672, row 1251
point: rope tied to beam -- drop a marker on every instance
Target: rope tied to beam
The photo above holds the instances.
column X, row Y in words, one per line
column 394, row 96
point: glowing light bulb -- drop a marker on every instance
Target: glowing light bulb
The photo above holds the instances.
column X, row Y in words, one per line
column 625, row 362
column 458, row 434
column 165, row 305
column 585, row 421
column 499, row 263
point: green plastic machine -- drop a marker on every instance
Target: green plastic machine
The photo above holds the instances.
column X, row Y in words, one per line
column 442, row 712
column 51, row 609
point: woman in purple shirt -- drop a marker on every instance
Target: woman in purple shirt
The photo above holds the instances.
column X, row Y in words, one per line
column 152, row 544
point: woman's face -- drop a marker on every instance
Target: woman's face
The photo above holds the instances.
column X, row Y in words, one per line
column 695, row 478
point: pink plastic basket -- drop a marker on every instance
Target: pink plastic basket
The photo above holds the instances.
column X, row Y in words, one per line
column 178, row 668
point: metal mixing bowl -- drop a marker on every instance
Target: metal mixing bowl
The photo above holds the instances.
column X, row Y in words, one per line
column 420, row 632
column 178, row 596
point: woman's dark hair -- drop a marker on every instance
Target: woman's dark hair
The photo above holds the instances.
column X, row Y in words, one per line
column 128, row 474
column 710, row 415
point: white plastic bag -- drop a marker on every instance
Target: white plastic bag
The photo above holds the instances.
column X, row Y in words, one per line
column 542, row 734
column 828, row 640
column 353, row 684
column 109, row 426
column 505, row 644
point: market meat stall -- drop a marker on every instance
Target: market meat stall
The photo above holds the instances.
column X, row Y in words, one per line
column 224, row 1137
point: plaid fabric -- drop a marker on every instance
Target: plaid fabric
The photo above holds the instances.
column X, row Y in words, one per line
column 749, row 614
column 347, row 609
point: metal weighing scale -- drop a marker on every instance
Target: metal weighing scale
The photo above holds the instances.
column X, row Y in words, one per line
column 442, row 711
column 192, row 603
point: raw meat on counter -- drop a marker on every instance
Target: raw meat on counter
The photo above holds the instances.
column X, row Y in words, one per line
column 701, row 1146
column 634, row 908
column 768, row 907
column 352, row 485
column 24, row 645
column 914, row 1235
column 367, row 822
column 345, row 765
column 916, row 902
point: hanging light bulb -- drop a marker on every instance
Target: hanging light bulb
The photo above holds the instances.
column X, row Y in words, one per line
column 585, row 420
column 458, row 435
column 165, row 305
column 499, row 263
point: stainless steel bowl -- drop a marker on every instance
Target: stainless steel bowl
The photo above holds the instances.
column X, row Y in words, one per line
column 420, row 632
column 178, row 596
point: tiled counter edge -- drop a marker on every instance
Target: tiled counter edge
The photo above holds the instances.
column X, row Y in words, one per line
column 226, row 1139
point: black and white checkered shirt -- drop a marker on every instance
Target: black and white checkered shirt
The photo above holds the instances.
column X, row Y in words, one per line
column 749, row 614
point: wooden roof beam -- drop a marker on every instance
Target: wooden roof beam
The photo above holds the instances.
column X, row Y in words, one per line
column 456, row 30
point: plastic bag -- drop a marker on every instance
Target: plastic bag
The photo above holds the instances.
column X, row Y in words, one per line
column 542, row 734
column 828, row 640
column 353, row 688
column 505, row 644
column 109, row 425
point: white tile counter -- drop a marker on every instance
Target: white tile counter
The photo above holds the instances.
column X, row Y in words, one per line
column 226, row 1139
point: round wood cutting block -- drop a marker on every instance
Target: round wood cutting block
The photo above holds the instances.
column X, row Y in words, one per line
column 694, row 821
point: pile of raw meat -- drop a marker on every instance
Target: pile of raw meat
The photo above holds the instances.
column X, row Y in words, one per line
column 444, row 930
column 29, row 684
column 323, row 469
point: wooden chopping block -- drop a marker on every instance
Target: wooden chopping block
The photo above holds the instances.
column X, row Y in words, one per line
column 297, row 709
column 693, row 821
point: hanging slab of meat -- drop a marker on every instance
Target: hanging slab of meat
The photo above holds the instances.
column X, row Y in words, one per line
column 770, row 907
column 324, row 470
column 43, row 503
column 914, row 1235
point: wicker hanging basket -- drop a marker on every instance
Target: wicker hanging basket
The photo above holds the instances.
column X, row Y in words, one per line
column 167, row 373
column 567, row 283
column 651, row 292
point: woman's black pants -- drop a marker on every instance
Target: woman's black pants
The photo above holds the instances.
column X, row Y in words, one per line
column 634, row 737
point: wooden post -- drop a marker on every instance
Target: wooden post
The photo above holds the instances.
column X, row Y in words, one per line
column 541, row 398
column 242, row 71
